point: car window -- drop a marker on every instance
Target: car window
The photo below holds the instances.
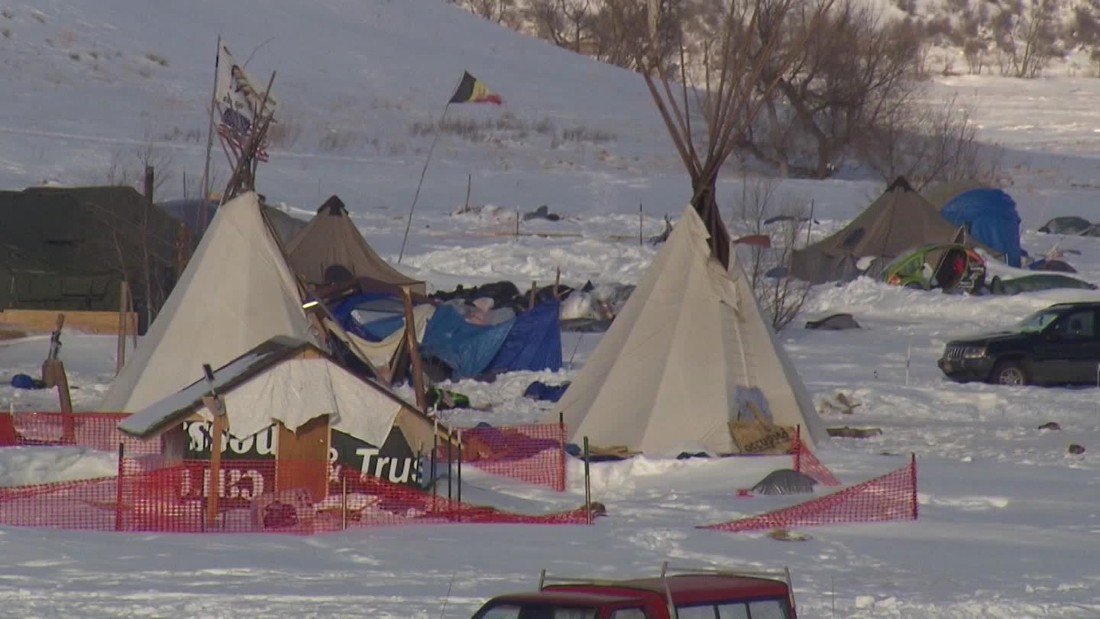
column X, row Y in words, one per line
column 629, row 613
column 1078, row 325
column 1038, row 321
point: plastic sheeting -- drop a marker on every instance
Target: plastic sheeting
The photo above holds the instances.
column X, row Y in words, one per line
column 990, row 216
column 466, row 348
column 533, row 343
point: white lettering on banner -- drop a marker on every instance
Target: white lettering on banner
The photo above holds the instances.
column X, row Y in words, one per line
column 200, row 434
column 385, row 467
column 245, row 484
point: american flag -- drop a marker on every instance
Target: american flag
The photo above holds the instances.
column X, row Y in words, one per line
column 235, row 128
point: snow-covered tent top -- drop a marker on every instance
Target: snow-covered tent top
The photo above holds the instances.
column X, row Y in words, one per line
column 289, row 381
column 990, row 216
column 236, row 293
column 330, row 250
column 678, row 361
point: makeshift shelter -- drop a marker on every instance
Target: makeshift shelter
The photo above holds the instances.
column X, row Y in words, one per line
column 989, row 215
column 900, row 219
column 689, row 353
column 331, row 250
column 948, row 266
column 235, row 293
column 834, row 322
column 286, row 400
column 70, row 248
column 785, row 481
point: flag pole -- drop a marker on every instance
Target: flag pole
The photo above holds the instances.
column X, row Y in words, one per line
column 209, row 143
column 423, row 171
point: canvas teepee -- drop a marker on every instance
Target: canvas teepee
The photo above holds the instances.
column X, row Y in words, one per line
column 899, row 220
column 683, row 356
column 236, row 293
column 331, row 250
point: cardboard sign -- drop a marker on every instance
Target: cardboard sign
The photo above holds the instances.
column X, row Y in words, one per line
column 761, row 436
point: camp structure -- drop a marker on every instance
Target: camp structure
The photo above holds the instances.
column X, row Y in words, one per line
column 69, row 249
column 687, row 361
column 899, row 220
column 236, row 293
column 989, row 215
column 330, row 250
column 287, row 402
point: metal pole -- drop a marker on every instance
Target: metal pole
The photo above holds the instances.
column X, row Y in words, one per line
column 118, row 487
column 416, row 196
column 459, row 474
column 913, row 480
column 587, row 485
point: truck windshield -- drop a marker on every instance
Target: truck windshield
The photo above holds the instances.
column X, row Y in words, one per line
column 758, row 609
column 512, row 610
column 1038, row 321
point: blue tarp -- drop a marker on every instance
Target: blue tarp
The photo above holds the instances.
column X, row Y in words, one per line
column 534, row 343
column 466, row 348
column 991, row 217
column 374, row 331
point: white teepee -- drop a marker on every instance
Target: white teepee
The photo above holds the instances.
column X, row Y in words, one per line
column 689, row 345
column 236, row 293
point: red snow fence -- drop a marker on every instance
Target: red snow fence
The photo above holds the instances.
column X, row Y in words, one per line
column 892, row 496
column 152, row 498
column 807, row 463
column 534, row 454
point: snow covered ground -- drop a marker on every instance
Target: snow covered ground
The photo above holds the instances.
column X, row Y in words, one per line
column 1009, row 521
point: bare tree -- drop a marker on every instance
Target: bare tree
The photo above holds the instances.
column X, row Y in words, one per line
column 720, row 79
column 766, row 227
column 849, row 69
column 929, row 143
column 1026, row 37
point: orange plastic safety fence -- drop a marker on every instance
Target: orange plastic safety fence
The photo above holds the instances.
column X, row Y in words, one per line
column 92, row 430
column 532, row 453
column 253, row 496
column 806, row 462
column 890, row 497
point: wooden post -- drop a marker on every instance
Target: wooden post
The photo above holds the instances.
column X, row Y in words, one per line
column 414, row 350
column 641, row 216
column 587, row 485
column 213, row 403
column 469, row 185
column 531, row 297
column 216, row 405
column 123, row 321
column 557, row 281
column 561, row 451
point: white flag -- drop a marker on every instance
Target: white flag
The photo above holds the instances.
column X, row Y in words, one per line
column 236, row 90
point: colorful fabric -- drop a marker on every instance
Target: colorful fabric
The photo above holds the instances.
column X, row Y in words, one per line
column 473, row 90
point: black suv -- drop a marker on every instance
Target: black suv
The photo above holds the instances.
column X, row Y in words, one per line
column 1057, row 345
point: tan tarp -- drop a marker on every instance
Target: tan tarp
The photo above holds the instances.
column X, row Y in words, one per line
column 669, row 374
column 236, row 293
column 899, row 220
column 330, row 249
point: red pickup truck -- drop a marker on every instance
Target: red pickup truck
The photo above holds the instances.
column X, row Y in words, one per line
column 674, row 594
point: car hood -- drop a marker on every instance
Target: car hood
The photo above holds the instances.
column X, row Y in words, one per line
column 988, row 338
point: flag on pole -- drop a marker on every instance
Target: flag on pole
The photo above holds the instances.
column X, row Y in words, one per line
column 239, row 102
column 473, row 90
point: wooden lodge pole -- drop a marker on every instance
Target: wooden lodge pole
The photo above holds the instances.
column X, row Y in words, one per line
column 531, row 299
column 414, row 350
column 216, row 405
column 123, row 326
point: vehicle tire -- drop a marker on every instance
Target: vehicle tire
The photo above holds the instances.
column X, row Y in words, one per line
column 1008, row 373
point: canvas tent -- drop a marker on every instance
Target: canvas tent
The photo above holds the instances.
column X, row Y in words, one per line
column 287, row 400
column 683, row 358
column 70, row 248
column 331, row 250
column 235, row 293
column 900, row 219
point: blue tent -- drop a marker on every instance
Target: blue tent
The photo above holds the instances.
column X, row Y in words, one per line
column 990, row 216
column 530, row 341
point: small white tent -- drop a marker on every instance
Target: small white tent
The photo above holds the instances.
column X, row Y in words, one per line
column 679, row 362
column 236, row 293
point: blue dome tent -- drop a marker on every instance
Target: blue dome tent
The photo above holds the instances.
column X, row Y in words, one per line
column 990, row 216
